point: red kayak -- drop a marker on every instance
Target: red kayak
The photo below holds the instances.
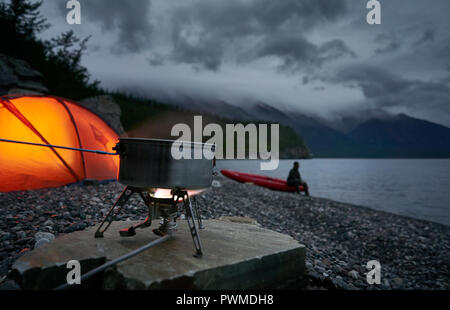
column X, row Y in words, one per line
column 260, row 180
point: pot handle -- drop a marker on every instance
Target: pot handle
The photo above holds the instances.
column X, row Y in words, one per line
column 120, row 149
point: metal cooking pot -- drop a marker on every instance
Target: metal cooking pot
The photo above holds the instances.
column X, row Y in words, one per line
column 148, row 163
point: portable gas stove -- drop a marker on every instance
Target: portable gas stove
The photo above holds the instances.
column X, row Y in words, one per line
column 167, row 209
column 146, row 164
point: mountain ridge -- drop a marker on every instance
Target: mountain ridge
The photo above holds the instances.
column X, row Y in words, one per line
column 380, row 136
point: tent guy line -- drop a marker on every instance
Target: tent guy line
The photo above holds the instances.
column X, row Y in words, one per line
column 59, row 147
column 16, row 112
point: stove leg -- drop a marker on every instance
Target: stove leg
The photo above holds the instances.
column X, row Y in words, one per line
column 197, row 213
column 131, row 231
column 114, row 211
column 191, row 223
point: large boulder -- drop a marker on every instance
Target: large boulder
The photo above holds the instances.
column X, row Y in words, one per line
column 18, row 77
column 237, row 254
column 108, row 109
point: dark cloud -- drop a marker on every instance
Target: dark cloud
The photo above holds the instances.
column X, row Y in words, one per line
column 373, row 81
column 415, row 36
column 130, row 19
column 241, row 18
column 203, row 33
column 197, row 47
column 389, row 42
column 156, row 59
column 428, row 35
column 298, row 53
column 391, row 47
column 401, row 63
column 384, row 89
column 441, row 50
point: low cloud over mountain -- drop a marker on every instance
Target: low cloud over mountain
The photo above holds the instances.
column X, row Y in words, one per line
column 319, row 57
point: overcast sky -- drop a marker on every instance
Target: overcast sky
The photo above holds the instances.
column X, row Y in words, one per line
column 316, row 56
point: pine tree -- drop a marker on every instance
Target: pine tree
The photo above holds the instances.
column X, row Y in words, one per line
column 58, row 59
column 26, row 19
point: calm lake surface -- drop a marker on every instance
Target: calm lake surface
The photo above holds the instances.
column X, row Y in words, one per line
column 418, row 188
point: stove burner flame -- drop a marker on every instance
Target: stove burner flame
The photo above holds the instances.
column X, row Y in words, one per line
column 164, row 193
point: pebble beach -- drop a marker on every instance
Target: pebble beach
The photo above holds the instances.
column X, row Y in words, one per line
column 340, row 238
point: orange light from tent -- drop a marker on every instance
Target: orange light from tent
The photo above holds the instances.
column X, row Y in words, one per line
column 24, row 167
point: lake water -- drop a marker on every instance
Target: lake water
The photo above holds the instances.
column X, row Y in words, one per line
column 418, row 188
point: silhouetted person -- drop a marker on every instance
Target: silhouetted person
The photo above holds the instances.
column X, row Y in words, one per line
column 295, row 179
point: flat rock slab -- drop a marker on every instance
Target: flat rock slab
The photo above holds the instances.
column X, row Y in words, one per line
column 238, row 254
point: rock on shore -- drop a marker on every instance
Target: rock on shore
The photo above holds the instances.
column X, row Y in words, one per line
column 107, row 108
column 17, row 77
column 340, row 238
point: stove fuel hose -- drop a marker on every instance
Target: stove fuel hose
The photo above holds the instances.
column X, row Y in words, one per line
column 116, row 261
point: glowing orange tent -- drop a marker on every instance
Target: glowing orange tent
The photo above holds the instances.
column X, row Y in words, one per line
column 54, row 121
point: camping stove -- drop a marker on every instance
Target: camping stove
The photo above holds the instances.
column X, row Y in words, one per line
column 166, row 209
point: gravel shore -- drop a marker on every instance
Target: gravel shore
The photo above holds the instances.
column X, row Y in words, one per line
column 340, row 238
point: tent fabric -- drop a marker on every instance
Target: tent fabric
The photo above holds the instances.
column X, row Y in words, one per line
column 55, row 121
